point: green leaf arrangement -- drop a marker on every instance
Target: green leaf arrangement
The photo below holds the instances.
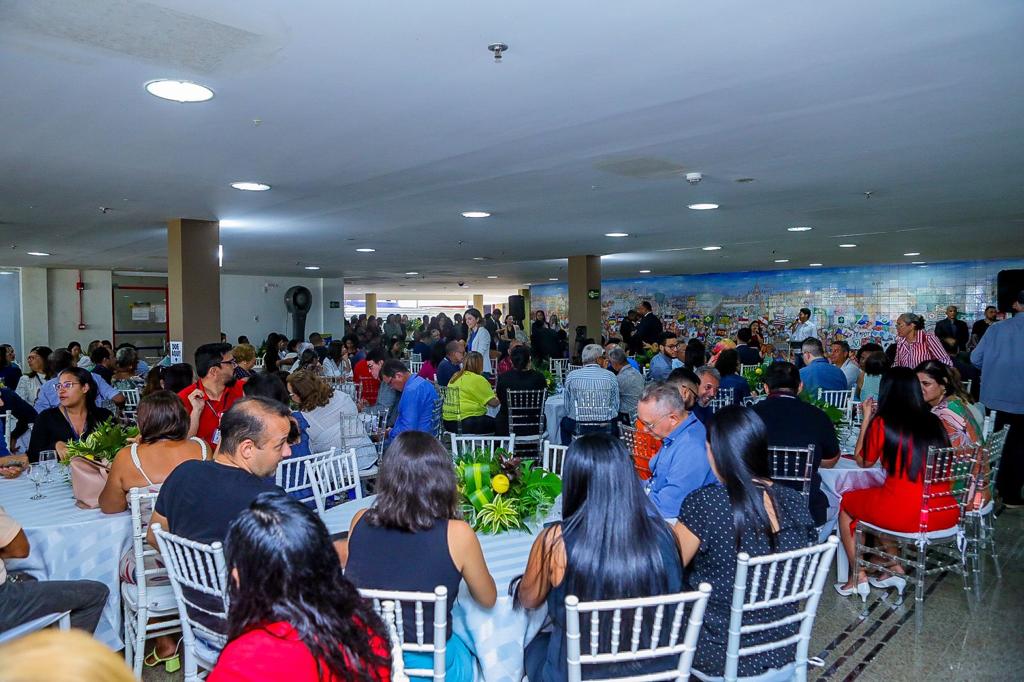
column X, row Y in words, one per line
column 102, row 444
column 834, row 413
column 501, row 492
column 755, row 378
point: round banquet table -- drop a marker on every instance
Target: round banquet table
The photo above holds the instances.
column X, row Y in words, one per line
column 843, row 477
column 70, row 543
column 498, row 635
column 554, row 410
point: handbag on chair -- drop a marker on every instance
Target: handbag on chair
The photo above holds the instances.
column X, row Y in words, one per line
column 88, row 478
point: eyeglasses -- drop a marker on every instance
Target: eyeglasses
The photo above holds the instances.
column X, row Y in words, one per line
column 66, row 385
column 232, row 362
column 650, row 426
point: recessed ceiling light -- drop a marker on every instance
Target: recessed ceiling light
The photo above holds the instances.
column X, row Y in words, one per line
column 492, row 277
column 800, row 229
column 476, row 214
column 6, row 272
column 366, row 250
column 179, row 91
column 412, row 273
column 918, row 262
column 702, row 207
column 912, row 253
column 814, row 265
column 781, row 260
column 552, row 279
column 711, row 248
column 312, row 267
column 847, row 246
column 479, row 258
column 616, row 234
column 644, row 272
column 37, row 253
column 220, row 255
column 251, row 186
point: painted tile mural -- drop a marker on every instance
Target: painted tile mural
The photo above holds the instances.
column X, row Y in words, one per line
column 860, row 303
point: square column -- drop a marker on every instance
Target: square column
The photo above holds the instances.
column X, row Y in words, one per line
column 585, row 277
column 371, row 305
column 193, row 283
column 478, row 302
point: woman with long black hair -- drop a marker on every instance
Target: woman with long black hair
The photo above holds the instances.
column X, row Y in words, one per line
column 898, row 432
column 610, row 544
column 293, row 614
column 747, row 513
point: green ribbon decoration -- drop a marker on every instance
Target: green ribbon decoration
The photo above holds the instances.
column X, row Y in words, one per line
column 477, row 478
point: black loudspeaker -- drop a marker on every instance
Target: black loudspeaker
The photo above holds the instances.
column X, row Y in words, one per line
column 516, row 308
column 1008, row 284
column 298, row 301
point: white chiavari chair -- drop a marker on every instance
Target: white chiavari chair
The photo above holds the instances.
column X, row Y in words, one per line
column 745, row 368
column 558, row 368
column 464, row 445
column 333, row 479
column 794, row 466
column 63, row 621
column 131, row 404
column 617, row 631
column 553, row 459
column 526, row 417
column 293, row 476
column 723, row 397
column 412, row 609
column 387, row 614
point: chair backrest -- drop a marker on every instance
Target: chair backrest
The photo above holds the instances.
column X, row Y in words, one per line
column 558, row 367
column 63, row 620
column 463, row 445
column 10, row 421
column 990, row 457
column 412, row 605
column 387, row 614
column 554, row 458
column 782, row 579
column 752, row 400
column 451, row 406
column 948, row 475
column 987, row 427
column 332, row 478
column 131, row 399
column 745, row 368
column 198, row 575
column 592, row 400
column 839, row 399
column 261, row 363
column 140, row 504
column 723, row 397
column 526, row 411
column 629, row 637
column 437, row 414
column 793, row 464
column 640, row 447
column 352, row 389
column 967, row 385
column 415, row 366
column 293, row 475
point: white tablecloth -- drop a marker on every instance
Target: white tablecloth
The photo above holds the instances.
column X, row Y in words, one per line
column 554, row 410
column 69, row 543
column 841, row 478
column 497, row 635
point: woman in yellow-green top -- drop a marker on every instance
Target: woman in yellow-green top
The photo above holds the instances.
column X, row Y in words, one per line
column 474, row 395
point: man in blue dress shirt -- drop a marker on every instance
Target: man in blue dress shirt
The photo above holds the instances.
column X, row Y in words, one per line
column 817, row 371
column 416, row 406
column 661, row 364
column 681, row 466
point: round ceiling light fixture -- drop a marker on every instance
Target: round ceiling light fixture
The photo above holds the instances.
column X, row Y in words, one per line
column 183, row 92
column 365, row 250
column 616, row 234
column 476, row 214
column 703, row 207
column 251, row 186
column 711, row 248
column 802, row 228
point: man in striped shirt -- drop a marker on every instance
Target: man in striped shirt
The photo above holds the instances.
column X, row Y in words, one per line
column 915, row 345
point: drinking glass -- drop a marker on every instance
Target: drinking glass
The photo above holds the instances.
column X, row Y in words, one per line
column 48, row 459
column 36, row 474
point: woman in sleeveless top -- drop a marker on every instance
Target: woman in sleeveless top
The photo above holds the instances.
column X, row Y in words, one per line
column 610, row 544
column 416, row 514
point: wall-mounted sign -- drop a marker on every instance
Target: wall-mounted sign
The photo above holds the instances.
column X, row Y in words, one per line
column 335, row 304
column 176, row 353
column 594, row 294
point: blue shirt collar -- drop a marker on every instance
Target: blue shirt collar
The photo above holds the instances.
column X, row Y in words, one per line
column 690, row 420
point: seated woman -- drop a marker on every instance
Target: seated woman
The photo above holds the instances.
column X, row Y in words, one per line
column 126, row 370
column 416, row 514
column 944, row 393
column 610, row 544
column 429, row 368
column 163, row 445
column 898, row 432
column 308, row 360
column 332, row 417
column 336, row 365
column 522, row 377
column 747, row 513
column 75, row 418
column 293, row 614
column 39, row 373
column 870, row 378
column 728, row 364
column 273, row 387
column 475, row 396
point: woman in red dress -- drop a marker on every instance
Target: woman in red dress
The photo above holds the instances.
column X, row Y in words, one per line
column 898, row 432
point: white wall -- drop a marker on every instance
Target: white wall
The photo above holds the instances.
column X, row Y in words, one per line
column 62, row 306
column 35, row 322
column 254, row 306
column 10, row 310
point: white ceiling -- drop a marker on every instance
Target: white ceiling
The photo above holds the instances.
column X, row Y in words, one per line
column 381, row 122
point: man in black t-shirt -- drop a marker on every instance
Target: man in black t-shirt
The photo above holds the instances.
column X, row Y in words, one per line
column 794, row 423
column 200, row 499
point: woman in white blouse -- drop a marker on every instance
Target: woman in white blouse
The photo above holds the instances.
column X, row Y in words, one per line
column 337, row 365
column 39, row 374
column 332, row 416
column 479, row 337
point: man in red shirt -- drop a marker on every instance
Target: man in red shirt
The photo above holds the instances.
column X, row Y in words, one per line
column 366, row 374
column 216, row 391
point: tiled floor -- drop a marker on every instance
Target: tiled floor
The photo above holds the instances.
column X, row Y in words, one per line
column 956, row 636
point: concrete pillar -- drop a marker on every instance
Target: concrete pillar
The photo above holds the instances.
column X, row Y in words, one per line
column 35, row 318
column 525, row 293
column 332, row 303
column 478, row 302
column 584, row 277
column 193, row 283
column 371, row 304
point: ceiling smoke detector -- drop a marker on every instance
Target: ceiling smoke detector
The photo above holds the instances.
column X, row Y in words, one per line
column 497, row 49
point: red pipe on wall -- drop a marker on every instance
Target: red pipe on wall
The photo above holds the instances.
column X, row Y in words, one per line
column 80, row 285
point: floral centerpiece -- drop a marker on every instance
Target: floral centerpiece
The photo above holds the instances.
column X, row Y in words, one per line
column 755, row 378
column 833, row 412
column 501, row 492
column 102, row 444
column 549, row 377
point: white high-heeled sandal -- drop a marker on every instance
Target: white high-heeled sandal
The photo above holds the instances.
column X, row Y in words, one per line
column 862, row 589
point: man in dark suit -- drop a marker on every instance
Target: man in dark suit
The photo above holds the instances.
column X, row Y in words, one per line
column 952, row 328
column 748, row 354
column 792, row 422
column 649, row 330
column 627, row 328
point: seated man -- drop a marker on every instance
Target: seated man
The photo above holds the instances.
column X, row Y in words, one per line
column 681, row 465
column 842, row 357
column 199, row 499
column 366, row 374
column 454, row 352
column 709, row 381
column 661, row 364
column 416, row 406
column 23, row 598
column 748, row 354
column 792, row 422
column 595, row 384
column 817, row 372
column 631, row 383
column 214, row 393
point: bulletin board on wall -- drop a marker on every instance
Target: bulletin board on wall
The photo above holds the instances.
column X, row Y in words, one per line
column 140, row 318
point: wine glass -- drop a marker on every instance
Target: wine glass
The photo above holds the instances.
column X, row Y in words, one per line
column 48, row 459
column 36, row 474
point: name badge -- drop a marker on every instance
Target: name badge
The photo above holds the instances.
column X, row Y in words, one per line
column 216, row 437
